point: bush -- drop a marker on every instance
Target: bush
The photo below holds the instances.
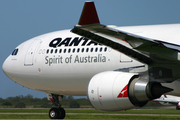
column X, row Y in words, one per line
column 20, row 105
column 74, row 104
column 7, row 103
column 46, row 105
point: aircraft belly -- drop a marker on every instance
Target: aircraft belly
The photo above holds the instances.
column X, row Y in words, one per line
column 74, row 81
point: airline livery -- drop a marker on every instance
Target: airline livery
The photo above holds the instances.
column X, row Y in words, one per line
column 118, row 68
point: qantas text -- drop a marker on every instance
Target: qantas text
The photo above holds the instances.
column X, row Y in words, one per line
column 58, row 42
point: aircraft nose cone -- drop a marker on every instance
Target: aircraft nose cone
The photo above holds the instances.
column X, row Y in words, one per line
column 6, row 67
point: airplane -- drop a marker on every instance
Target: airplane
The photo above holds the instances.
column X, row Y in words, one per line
column 168, row 100
column 117, row 68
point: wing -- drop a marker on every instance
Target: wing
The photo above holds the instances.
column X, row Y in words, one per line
column 166, row 101
column 148, row 51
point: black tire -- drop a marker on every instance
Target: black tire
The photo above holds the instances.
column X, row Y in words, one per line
column 62, row 113
column 54, row 113
column 177, row 108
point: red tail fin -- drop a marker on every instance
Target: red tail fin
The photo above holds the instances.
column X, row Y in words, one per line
column 89, row 14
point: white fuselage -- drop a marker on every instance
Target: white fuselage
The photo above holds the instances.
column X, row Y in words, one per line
column 63, row 63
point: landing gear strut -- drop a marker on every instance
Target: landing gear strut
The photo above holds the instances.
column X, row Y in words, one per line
column 56, row 112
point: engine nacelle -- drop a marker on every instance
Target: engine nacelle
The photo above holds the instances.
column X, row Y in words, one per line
column 115, row 91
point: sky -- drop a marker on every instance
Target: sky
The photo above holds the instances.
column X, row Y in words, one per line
column 21, row 20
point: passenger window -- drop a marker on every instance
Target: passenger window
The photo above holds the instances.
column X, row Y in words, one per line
column 87, row 49
column 47, row 51
column 82, row 50
column 60, row 50
column 78, row 50
column 96, row 49
column 105, row 49
column 51, row 50
column 64, row 50
column 73, row 50
column 100, row 49
column 69, row 50
column 91, row 49
column 56, row 51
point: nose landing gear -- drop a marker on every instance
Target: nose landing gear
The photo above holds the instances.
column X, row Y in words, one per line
column 56, row 112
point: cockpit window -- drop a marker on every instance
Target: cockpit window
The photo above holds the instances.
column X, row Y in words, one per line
column 15, row 52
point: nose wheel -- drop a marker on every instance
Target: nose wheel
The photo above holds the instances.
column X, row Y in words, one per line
column 57, row 113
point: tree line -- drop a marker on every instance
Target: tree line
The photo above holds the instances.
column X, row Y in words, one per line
column 29, row 101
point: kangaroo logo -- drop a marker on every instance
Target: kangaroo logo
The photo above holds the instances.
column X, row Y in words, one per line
column 123, row 92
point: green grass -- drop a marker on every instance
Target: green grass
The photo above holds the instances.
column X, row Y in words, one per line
column 107, row 117
column 91, row 111
column 24, row 110
column 23, row 116
column 125, row 112
column 88, row 114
